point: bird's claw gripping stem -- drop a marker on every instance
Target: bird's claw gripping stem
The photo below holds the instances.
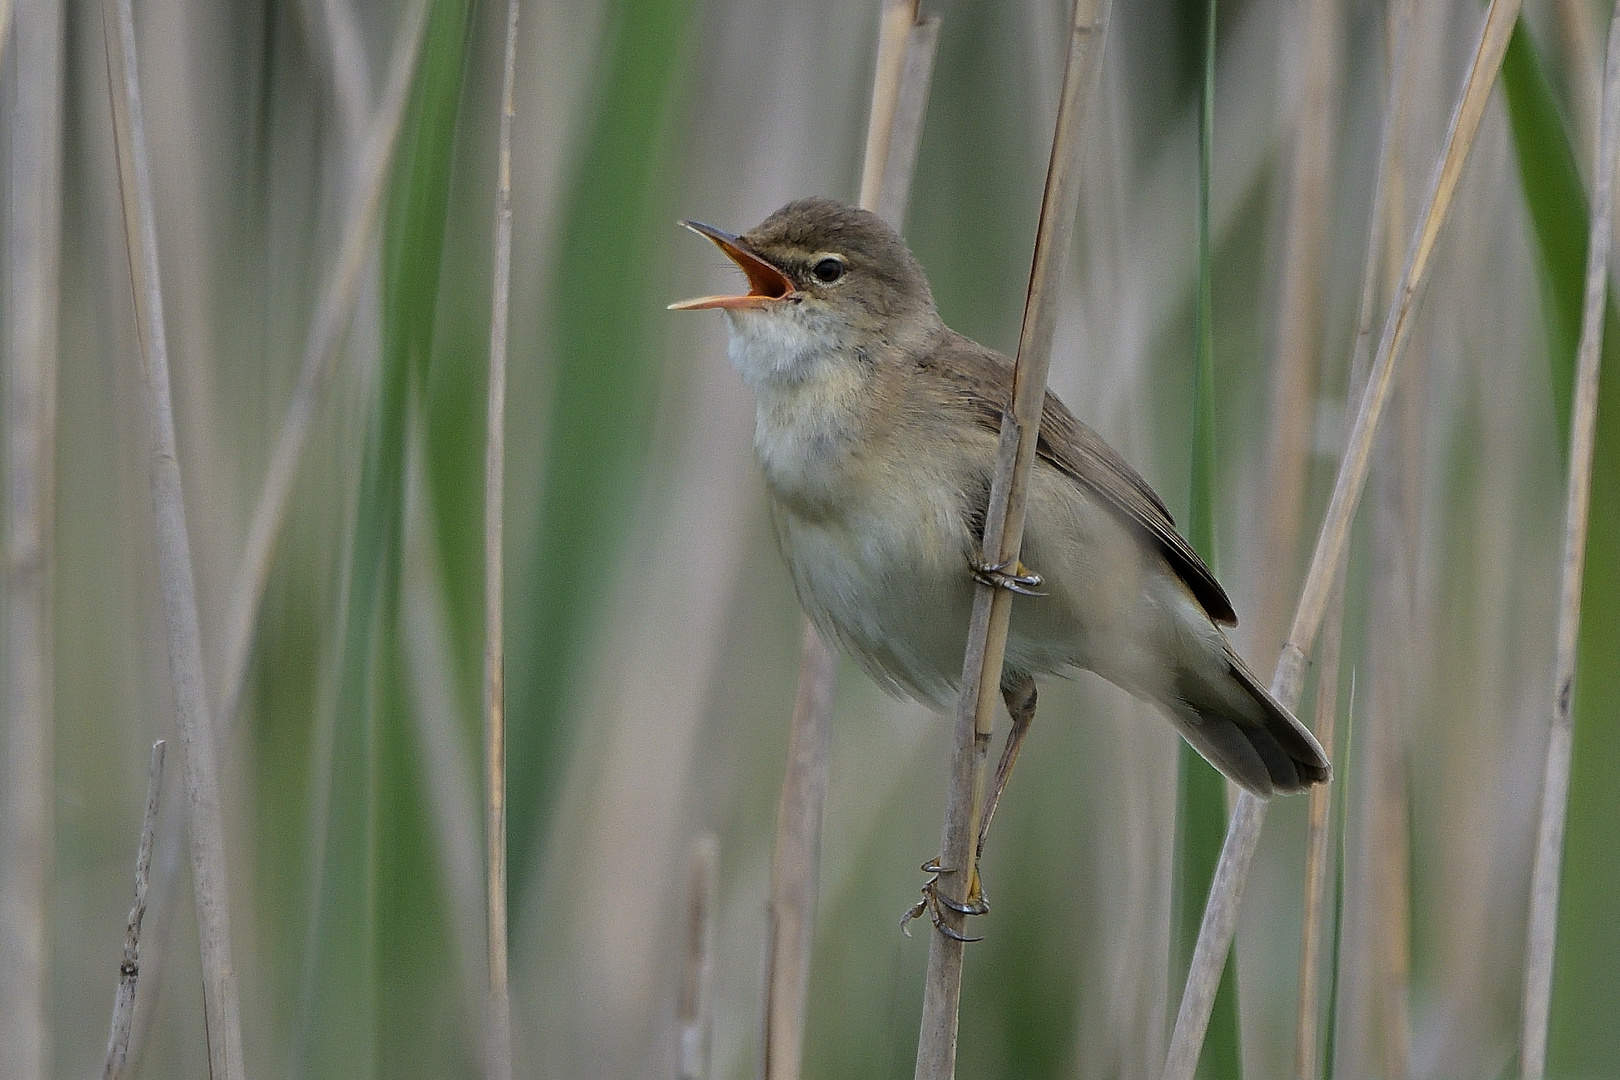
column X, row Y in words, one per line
column 934, row 902
column 1021, row 580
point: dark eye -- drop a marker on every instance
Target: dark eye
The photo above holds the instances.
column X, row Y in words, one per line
column 828, row 270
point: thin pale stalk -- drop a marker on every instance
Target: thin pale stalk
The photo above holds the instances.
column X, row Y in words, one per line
column 694, row 1008
column 1541, row 936
column 1382, row 226
column 321, row 350
column 894, row 34
column 1299, row 314
column 796, row 860
column 129, row 969
column 33, row 213
column 1243, row 831
column 905, row 65
column 1003, row 536
column 498, row 1052
column 1307, row 1058
column 905, row 133
column 204, row 815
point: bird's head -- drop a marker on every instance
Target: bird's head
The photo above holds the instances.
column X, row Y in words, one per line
column 822, row 276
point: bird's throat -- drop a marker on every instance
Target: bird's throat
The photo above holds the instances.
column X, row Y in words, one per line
column 811, row 394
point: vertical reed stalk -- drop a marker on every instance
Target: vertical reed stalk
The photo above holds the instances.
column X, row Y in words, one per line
column 129, row 970
column 1003, row 536
column 796, row 860
column 499, row 1049
column 204, row 815
column 1243, row 833
column 1543, row 926
column 1299, row 315
column 905, row 61
column 694, row 1009
column 28, row 364
column 1307, row 1058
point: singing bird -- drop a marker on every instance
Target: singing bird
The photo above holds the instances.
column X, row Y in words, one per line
column 877, row 427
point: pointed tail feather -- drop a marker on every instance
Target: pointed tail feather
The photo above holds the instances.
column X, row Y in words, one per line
column 1248, row 736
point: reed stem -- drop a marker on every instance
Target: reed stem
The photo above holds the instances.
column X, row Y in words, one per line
column 1243, row 830
column 204, row 815
column 905, row 62
column 129, row 969
column 499, row 1049
column 29, row 445
column 1003, row 536
column 1541, row 935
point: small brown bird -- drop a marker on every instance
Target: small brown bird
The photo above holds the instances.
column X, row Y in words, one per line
column 877, row 427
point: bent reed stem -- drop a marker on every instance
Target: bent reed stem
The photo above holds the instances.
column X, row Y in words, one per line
column 1243, row 831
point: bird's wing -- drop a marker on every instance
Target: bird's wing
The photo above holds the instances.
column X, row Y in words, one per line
column 981, row 381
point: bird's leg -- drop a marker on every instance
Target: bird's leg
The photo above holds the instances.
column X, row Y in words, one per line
column 1018, row 579
column 1018, row 691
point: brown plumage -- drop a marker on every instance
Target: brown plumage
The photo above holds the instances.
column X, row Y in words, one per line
column 877, row 429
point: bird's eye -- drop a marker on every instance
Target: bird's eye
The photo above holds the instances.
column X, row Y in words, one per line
column 828, row 270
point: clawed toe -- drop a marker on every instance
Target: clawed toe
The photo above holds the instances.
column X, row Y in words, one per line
column 934, row 903
column 1021, row 580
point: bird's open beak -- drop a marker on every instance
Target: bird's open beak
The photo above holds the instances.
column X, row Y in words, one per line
column 765, row 282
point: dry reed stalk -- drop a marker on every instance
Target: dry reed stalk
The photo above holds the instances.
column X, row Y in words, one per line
column 894, row 37
column 498, row 1054
column 905, row 62
column 694, row 1008
column 796, row 860
column 205, row 822
column 1243, row 831
column 1383, row 220
column 129, row 970
column 1307, row 1055
column 321, row 350
column 33, row 213
column 1541, row 935
column 1003, row 537
column 1299, row 316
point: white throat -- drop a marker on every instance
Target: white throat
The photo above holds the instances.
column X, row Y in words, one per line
column 809, row 393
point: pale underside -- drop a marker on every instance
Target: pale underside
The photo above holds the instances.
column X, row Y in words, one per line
column 878, row 529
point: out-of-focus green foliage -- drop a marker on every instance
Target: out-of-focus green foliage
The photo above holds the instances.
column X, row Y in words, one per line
column 1584, row 1040
column 615, row 218
column 381, row 1005
column 1201, row 811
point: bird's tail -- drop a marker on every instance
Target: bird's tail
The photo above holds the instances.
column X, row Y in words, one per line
column 1241, row 730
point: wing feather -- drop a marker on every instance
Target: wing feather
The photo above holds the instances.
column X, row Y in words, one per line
column 982, row 379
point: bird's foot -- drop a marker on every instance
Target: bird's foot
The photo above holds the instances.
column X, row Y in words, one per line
column 934, row 903
column 1019, row 579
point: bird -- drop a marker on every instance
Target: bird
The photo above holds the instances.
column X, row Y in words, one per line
column 876, row 428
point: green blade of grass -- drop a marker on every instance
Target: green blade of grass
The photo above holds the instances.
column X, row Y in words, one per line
column 379, row 991
column 1583, row 1040
column 1201, row 827
column 601, row 404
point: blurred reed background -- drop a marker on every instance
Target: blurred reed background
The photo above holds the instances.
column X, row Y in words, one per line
column 652, row 637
